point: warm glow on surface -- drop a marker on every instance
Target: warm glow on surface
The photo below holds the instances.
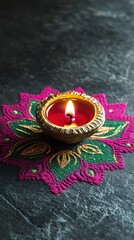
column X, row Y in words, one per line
column 70, row 109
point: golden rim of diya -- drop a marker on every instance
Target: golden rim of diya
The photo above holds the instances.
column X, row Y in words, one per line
column 74, row 134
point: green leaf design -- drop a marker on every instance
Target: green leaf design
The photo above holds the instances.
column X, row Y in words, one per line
column 33, row 107
column 63, row 163
column 96, row 152
column 29, row 149
column 111, row 129
column 25, row 128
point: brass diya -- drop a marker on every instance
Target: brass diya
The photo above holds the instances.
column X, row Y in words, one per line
column 59, row 121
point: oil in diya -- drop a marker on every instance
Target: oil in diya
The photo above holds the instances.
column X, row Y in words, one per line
column 70, row 117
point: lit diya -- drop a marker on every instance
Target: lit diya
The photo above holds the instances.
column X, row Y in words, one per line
column 70, row 116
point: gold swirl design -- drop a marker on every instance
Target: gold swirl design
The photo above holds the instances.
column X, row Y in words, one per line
column 64, row 157
column 106, row 130
column 29, row 148
column 33, row 128
column 89, row 148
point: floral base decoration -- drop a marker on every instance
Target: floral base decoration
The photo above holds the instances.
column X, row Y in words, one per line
column 22, row 143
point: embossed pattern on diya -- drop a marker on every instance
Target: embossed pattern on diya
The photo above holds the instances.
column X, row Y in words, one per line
column 59, row 165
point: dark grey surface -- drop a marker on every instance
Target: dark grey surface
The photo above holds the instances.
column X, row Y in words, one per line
column 67, row 44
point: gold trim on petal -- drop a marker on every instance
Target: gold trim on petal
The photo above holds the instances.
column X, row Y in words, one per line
column 29, row 148
column 30, row 107
column 20, row 130
column 33, row 128
column 89, row 148
column 105, row 130
column 64, row 157
column 115, row 159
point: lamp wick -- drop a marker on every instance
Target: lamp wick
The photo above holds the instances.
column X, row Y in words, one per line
column 72, row 119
